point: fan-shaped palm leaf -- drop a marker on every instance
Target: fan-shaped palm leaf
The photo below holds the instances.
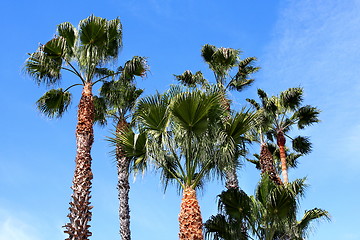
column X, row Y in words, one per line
column 54, row 103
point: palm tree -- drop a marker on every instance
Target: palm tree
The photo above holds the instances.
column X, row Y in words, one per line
column 117, row 98
column 221, row 61
column 82, row 52
column 269, row 215
column 265, row 160
column 282, row 113
column 182, row 138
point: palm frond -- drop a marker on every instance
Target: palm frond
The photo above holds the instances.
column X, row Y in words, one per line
column 43, row 68
column 134, row 147
column 137, row 66
column 256, row 162
column 306, row 116
column 315, row 214
column 152, row 113
column 220, row 60
column 262, row 95
column 245, row 69
column 191, row 110
column 301, row 144
column 253, row 103
column 291, row 98
column 191, row 80
column 207, row 52
column 100, row 41
column 70, row 34
column 114, row 32
column 54, row 103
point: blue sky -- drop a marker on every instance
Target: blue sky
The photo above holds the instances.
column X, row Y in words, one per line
column 313, row 44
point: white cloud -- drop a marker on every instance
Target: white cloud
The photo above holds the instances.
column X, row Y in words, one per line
column 15, row 229
column 316, row 45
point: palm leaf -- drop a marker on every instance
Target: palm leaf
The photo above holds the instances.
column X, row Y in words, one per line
column 43, row 68
column 70, row 34
column 114, row 32
column 207, row 52
column 245, row 69
column 54, row 103
column 309, row 217
column 137, row 66
column 291, row 98
column 191, row 110
column 302, row 145
column 152, row 113
column 100, row 41
column 253, row 103
column 306, row 116
column 189, row 79
column 134, row 147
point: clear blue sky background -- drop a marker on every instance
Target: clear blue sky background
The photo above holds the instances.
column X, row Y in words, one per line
column 313, row 44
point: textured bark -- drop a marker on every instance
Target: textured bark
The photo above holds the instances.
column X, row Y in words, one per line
column 231, row 179
column 190, row 217
column 281, row 143
column 123, row 186
column 267, row 164
column 80, row 214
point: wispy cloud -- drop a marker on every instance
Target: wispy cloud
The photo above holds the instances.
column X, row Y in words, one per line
column 316, row 45
column 15, row 229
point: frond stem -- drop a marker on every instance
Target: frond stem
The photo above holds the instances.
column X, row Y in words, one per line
column 77, row 84
column 75, row 71
column 177, row 159
column 174, row 175
column 110, row 75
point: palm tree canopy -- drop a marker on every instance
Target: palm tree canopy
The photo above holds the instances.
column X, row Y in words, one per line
column 222, row 60
column 280, row 113
column 181, row 130
column 81, row 51
column 117, row 97
column 269, row 214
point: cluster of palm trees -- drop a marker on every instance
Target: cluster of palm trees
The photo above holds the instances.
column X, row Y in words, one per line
column 190, row 133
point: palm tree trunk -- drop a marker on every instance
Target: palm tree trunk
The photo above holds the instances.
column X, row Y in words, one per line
column 231, row 179
column 190, row 217
column 80, row 214
column 230, row 174
column 267, row 164
column 123, row 185
column 281, row 143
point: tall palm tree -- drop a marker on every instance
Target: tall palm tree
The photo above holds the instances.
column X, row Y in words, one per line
column 182, row 138
column 282, row 113
column 117, row 98
column 269, row 215
column 221, row 61
column 82, row 52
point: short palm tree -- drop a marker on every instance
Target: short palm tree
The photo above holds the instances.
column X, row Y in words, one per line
column 221, row 61
column 282, row 113
column 181, row 136
column 269, row 215
column 117, row 98
column 82, row 52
